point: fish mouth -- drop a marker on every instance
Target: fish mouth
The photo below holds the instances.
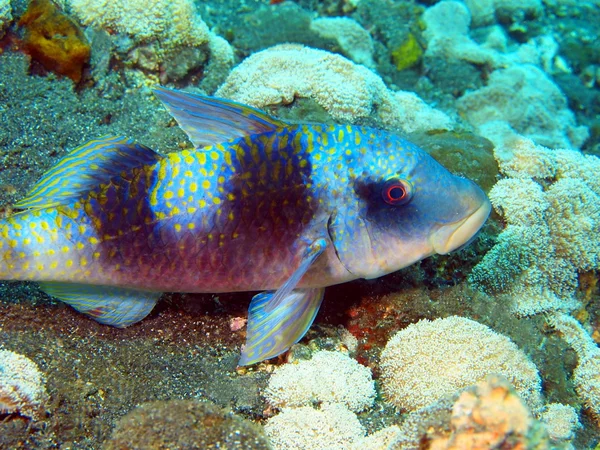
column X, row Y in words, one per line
column 457, row 234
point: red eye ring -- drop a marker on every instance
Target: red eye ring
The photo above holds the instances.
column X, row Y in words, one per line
column 396, row 192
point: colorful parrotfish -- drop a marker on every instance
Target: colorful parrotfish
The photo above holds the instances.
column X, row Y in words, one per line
column 258, row 205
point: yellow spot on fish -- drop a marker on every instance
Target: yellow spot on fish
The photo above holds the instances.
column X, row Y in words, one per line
column 40, row 267
column 214, row 155
column 191, row 210
column 180, row 192
column 206, row 184
column 21, row 255
column 80, row 246
column 191, row 226
column 25, row 266
column 230, row 216
column 12, row 243
column 189, row 159
column 175, row 158
column 202, row 203
column 188, row 173
column 227, row 157
column 169, row 195
column 51, row 252
column 216, row 200
column 221, row 179
column 40, row 239
column 230, row 197
column 175, row 211
column 193, row 186
column 53, row 264
column 303, row 163
column 235, row 235
column 96, row 255
column 83, row 261
column 202, row 158
column 177, row 227
column 348, row 152
column 65, row 249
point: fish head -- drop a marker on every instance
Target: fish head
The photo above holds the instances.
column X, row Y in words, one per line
column 404, row 206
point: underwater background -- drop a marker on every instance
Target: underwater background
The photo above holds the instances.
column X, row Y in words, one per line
column 493, row 346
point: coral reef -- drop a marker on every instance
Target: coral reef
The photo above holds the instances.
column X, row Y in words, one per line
column 552, row 224
column 491, row 415
column 22, row 386
column 348, row 92
column 184, row 424
column 354, row 41
column 561, row 422
column 54, row 40
column 333, row 427
column 329, row 377
column 5, row 15
column 167, row 39
column 586, row 375
column 525, row 98
column 431, row 359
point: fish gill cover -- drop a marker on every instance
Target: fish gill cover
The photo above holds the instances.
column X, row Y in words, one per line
column 298, row 150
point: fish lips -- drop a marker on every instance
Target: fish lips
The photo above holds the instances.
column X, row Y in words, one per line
column 459, row 234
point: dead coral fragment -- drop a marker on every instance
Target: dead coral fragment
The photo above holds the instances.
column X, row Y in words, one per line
column 54, row 40
column 491, row 415
column 22, row 389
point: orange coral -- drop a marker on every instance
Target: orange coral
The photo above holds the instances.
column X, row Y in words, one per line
column 54, row 40
column 492, row 416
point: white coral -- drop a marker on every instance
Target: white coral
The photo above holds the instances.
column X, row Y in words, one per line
column 352, row 38
column 553, row 228
column 431, row 359
column 22, row 388
column 329, row 377
column 347, row 91
column 332, row 427
column 174, row 22
column 5, row 15
column 526, row 98
column 586, row 375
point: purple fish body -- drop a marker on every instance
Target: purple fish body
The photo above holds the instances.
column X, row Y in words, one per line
column 257, row 205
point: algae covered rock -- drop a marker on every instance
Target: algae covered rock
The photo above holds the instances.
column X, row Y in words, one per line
column 184, row 424
column 461, row 153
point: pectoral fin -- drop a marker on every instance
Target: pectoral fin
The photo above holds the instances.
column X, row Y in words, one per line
column 271, row 333
column 277, row 320
column 119, row 307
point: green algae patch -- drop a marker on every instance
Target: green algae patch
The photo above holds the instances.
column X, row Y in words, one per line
column 408, row 54
column 185, row 424
column 461, row 153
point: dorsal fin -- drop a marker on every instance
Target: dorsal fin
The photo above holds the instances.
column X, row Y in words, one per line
column 210, row 120
column 85, row 168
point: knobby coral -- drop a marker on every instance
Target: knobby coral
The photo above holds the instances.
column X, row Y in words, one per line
column 347, row 91
column 432, row 359
column 551, row 204
column 329, row 377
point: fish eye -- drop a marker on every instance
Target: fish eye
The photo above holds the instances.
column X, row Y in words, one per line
column 397, row 191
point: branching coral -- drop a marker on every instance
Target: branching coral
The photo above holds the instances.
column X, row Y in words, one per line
column 551, row 204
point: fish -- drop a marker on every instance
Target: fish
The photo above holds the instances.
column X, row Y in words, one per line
column 258, row 204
